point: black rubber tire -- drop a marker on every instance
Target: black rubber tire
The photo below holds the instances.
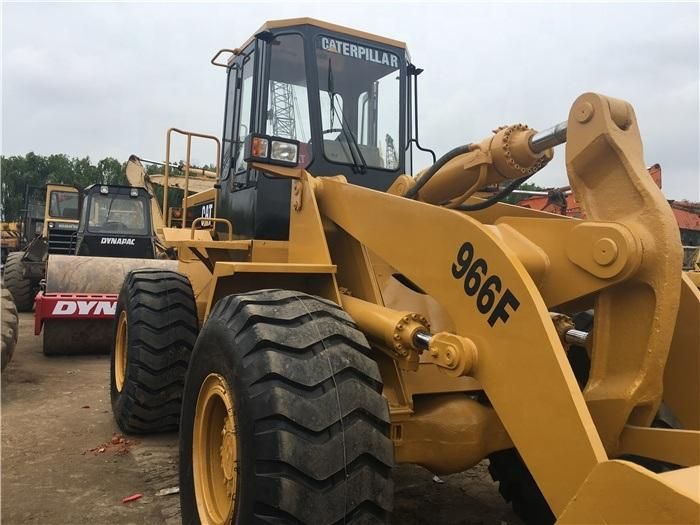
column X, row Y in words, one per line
column 518, row 487
column 312, row 424
column 10, row 325
column 162, row 329
column 515, row 483
column 23, row 290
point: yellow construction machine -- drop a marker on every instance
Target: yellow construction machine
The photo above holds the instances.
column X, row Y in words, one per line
column 692, row 263
column 10, row 234
column 49, row 225
column 339, row 316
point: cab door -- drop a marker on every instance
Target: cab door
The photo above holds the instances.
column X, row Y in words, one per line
column 236, row 198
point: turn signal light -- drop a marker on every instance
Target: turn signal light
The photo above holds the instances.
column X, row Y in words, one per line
column 258, row 147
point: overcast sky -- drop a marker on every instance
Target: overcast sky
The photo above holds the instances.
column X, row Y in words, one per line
column 109, row 79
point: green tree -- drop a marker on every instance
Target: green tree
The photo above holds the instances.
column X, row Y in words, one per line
column 515, row 198
column 20, row 171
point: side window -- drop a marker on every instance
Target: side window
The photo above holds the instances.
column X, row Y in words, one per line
column 246, row 105
column 228, row 124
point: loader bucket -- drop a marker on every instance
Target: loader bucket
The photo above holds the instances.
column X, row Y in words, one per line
column 77, row 309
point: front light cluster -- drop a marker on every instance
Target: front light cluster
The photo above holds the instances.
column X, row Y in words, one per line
column 273, row 150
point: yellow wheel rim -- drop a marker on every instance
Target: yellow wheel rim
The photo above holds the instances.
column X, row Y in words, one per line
column 120, row 345
column 215, row 452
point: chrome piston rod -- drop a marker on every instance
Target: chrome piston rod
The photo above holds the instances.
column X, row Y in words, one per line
column 572, row 337
column 543, row 140
column 576, row 337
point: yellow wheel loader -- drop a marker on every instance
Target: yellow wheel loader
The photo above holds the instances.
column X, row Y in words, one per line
column 339, row 316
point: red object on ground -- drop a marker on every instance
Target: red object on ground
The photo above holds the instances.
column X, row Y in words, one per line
column 133, row 497
column 72, row 306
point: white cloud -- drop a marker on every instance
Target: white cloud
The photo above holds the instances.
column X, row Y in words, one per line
column 109, row 79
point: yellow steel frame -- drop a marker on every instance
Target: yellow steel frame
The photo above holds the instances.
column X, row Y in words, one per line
column 624, row 261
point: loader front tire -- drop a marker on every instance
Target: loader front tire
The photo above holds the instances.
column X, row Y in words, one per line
column 10, row 325
column 283, row 420
column 154, row 333
column 518, row 487
column 21, row 287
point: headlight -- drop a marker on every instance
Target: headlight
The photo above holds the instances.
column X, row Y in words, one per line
column 284, row 151
column 51, row 225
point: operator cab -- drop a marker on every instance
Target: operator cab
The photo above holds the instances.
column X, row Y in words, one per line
column 62, row 205
column 329, row 99
column 115, row 222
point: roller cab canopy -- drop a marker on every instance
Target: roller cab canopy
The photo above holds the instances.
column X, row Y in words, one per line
column 116, row 222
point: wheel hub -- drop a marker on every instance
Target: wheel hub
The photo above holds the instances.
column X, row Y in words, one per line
column 229, row 455
column 120, row 350
column 215, row 451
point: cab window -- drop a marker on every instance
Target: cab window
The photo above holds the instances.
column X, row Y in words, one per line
column 64, row 205
column 360, row 90
column 117, row 214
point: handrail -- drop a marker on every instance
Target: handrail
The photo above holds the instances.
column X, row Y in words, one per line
column 189, row 135
column 212, row 219
column 234, row 52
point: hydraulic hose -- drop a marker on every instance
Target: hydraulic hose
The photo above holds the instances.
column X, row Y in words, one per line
column 432, row 170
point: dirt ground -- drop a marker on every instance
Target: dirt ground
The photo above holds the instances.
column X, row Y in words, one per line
column 62, row 462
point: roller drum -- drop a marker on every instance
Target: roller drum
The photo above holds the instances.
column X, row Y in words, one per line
column 79, row 274
column 77, row 336
column 95, row 275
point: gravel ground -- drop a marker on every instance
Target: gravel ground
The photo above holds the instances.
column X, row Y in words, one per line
column 63, row 461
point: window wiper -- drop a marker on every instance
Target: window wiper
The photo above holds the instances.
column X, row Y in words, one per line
column 360, row 165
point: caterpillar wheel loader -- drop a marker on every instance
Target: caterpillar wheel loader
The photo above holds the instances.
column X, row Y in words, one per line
column 49, row 223
column 340, row 316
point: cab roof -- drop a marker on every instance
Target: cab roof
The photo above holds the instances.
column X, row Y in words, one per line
column 289, row 22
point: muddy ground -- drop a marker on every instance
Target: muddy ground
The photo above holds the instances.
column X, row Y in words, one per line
column 61, row 465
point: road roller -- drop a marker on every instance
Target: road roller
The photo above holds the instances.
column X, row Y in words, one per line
column 115, row 235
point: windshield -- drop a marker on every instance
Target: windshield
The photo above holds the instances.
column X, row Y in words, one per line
column 64, row 205
column 117, row 214
column 360, row 103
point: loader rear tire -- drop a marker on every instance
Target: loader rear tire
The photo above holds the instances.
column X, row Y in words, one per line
column 283, row 420
column 155, row 330
column 22, row 288
column 10, row 325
